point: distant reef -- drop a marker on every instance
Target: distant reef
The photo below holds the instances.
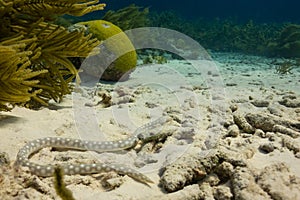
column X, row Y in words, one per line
column 268, row 39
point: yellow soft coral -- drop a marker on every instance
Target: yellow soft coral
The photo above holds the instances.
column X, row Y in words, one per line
column 35, row 52
column 119, row 45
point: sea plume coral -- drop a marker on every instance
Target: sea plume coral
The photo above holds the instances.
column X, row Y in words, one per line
column 15, row 75
column 34, row 66
column 129, row 17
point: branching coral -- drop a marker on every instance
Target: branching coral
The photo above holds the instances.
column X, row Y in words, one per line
column 288, row 44
column 16, row 78
column 129, row 17
column 221, row 34
column 46, row 8
column 34, row 66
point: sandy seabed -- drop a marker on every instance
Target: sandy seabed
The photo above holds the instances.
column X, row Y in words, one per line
column 233, row 133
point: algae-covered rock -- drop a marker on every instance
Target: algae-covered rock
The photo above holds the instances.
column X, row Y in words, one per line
column 118, row 57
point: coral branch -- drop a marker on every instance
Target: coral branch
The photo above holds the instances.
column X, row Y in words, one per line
column 34, row 64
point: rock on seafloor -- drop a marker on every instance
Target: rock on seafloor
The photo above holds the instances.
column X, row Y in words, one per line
column 188, row 168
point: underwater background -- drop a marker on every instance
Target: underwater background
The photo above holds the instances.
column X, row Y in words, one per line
column 257, row 10
column 219, row 122
column 265, row 28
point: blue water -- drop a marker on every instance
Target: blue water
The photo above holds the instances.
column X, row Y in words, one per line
column 247, row 26
column 258, row 10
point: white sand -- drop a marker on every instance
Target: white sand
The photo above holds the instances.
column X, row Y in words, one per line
column 154, row 88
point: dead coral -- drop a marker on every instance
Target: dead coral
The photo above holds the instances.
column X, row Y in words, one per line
column 244, row 185
column 187, row 169
column 290, row 103
column 279, row 182
column 241, row 121
column 291, row 144
column 286, row 131
column 266, row 122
